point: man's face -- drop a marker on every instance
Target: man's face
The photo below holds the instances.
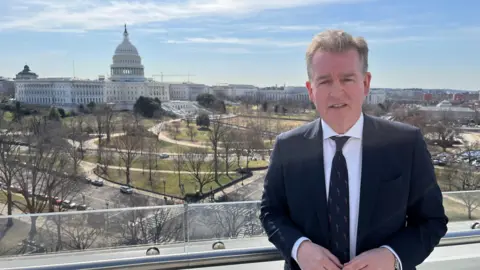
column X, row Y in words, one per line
column 338, row 87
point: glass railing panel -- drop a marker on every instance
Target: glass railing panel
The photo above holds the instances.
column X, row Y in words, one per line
column 224, row 225
column 462, row 209
column 92, row 230
column 173, row 229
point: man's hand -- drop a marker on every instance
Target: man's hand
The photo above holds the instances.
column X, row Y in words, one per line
column 312, row 257
column 379, row 258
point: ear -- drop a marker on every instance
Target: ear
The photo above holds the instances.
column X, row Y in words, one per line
column 366, row 83
column 308, row 84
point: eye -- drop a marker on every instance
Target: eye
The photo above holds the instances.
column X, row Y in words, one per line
column 324, row 82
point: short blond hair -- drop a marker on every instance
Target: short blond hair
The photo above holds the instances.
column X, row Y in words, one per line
column 337, row 41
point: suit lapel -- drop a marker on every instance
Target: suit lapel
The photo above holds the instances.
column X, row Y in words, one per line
column 369, row 178
column 315, row 136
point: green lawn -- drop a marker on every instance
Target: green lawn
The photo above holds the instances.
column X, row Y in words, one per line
column 141, row 180
column 455, row 211
column 201, row 136
column 8, row 116
column 162, row 164
column 152, row 144
column 17, row 198
column 148, row 123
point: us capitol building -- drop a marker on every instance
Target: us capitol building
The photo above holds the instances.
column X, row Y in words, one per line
column 125, row 85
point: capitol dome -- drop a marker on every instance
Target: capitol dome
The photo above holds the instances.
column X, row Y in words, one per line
column 126, row 47
column 127, row 63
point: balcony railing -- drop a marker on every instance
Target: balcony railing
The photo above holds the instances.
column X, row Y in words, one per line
column 183, row 234
column 216, row 258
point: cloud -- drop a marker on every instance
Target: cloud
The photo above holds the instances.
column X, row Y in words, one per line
column 363, row 27
column 402, row 39
column 240, row 41
column 279, row 43
column 99, row 14
column 233, row 50
column 151, row 30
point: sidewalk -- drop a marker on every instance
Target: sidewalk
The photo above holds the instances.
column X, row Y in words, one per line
column 256, row 176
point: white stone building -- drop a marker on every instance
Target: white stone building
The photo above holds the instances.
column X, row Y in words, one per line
column 376, row 96
column 233, row 91
column 445, row 110
column 186, row 91
column 126, row 84
column 286, row 94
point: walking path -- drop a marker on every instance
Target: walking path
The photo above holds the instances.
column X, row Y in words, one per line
column 89, row 167
column 142, row 170
column 257, row 175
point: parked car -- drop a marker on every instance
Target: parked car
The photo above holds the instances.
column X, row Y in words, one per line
column 163, row 155
column 126, row 189
column 97, row 182
column 81, row 207
column 56, row 201
column 68, row 204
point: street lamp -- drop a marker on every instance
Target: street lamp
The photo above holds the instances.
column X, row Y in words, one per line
column 83, row 198
column 182, row 189
column 164, row 186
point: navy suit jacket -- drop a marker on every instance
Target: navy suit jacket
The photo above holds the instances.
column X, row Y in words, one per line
column 400, row 200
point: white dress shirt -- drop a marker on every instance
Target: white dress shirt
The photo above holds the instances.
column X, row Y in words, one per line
column 352, row 150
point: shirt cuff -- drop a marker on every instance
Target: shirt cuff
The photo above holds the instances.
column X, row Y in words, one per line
column 394, row 254
column 296, row 246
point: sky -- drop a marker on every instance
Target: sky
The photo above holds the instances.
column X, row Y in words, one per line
column 426, row 44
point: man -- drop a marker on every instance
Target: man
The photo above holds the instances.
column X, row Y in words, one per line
column 350, row 191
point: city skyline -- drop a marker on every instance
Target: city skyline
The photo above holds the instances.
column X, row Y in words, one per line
column 431, row 44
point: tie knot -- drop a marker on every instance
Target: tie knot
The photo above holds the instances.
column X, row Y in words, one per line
column 340, row 141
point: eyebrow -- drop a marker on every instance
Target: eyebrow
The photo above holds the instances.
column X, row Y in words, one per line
column 328, row 76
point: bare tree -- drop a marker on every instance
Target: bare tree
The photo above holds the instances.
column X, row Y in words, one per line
column 469, row 150
column 448, row 177
column 152, row 162
column 176, row 129
column 469, row 181
column 134, row 228
column 238, row 145
column 217, row 131
column 178, row 166
column 44, row 173
column 159, row 225
column 191, row 132
column 106, row 159
column 78, row 234
column 128, row 146
column 104, row 124
column 227, row 141
column 201, row 170
column 166, row 225
column 75, row 131
column 442, row 132
column 228, row 220
column 10, row 152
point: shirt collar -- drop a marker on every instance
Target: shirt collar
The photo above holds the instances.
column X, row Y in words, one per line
column 355, row 131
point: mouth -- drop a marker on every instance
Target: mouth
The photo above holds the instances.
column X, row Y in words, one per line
column 337, row 106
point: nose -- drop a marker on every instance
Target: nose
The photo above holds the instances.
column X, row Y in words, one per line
column 337, row 88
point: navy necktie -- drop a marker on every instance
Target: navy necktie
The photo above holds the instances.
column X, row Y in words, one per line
column 338, row 204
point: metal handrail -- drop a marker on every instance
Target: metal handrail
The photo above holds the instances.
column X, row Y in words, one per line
column 218, row 258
